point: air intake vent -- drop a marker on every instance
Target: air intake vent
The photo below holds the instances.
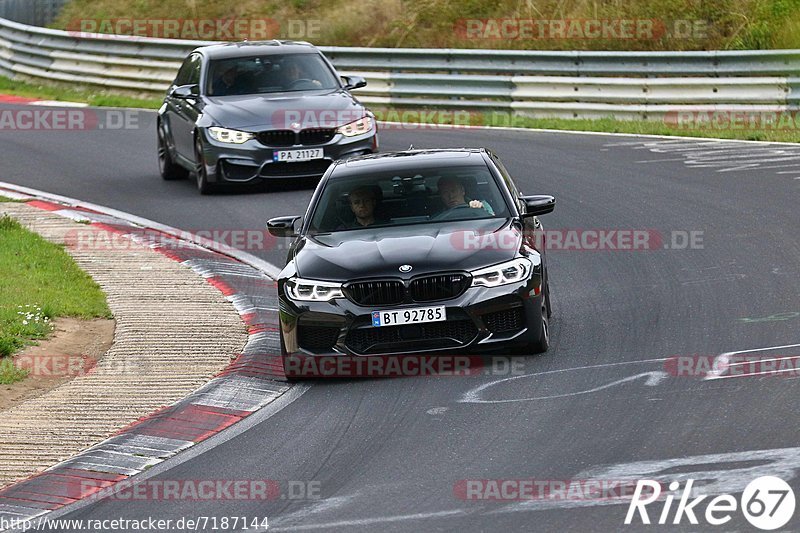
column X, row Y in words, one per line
column 439, row 287
column 376, row 292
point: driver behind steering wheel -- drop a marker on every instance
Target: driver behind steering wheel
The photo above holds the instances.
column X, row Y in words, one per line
column 294, row 72
column 453, row 195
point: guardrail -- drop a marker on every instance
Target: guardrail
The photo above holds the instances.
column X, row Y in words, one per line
column 554, row 84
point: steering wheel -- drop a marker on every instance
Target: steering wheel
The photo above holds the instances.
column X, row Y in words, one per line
column 455, row 212
column 301, row 81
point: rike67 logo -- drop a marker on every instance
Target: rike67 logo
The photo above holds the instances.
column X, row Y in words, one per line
column 767, row 503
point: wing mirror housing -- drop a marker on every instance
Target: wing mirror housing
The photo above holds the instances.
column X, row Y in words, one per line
column 186, row 91
column 538, row 204
column 354, row 82
column 283, row 226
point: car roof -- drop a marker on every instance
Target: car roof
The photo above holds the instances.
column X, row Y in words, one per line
column 251, row 48
column 411, row 159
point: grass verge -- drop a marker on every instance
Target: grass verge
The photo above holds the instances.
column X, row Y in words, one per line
column 66, row 94
column 780, row 132
column 651, row 127
column 39, row 281
column 10, row 373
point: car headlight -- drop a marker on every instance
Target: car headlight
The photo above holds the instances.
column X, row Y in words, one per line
column 502, row 274
column 311, row 290
column 357, row 127
column 224, row 135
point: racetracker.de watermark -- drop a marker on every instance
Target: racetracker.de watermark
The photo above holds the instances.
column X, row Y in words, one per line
column 732, row 365
column 588, row 239
column 225, row 29
column 543, row 489
column 726, row 120
column 403, row 365
column 57, row 119
column 48, row 365
column 644, row 29
column 198, row 490
column 389, row 119
column 99, row 238
column 52, row 365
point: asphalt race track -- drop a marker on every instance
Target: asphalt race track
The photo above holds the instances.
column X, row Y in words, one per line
column 394, row 454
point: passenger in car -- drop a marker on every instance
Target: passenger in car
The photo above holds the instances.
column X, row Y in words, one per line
column 453, row 195
column 363, row 201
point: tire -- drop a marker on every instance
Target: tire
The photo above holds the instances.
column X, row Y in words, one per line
column 200, row 170
column 543, row 343
column 547, row 296
column 168, row 168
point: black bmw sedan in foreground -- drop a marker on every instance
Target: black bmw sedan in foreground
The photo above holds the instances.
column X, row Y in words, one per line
column 242, row 112
column 416, row 252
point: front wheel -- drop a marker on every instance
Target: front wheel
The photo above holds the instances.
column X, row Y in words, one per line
column 543, row 342
column 201, row 172
column 167, row 166
column 547, row 296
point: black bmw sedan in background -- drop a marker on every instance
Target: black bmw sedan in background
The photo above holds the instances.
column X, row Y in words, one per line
column 241, row 112
column 415, row 252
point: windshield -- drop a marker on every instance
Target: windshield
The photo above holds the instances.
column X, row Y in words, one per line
column 269, row 74
column 398, row 199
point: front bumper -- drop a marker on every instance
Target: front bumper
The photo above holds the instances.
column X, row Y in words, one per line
column 252, row 160
column 481, row 321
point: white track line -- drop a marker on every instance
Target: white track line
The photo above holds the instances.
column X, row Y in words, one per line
column 722, row 362
column 474, row 395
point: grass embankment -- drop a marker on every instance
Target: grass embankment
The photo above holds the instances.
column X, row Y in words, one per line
column 62, row 93
column 790, row 133
column 722, row 24
column 39, row 282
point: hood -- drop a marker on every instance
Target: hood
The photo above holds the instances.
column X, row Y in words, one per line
column 310, row 109
column 347, row 255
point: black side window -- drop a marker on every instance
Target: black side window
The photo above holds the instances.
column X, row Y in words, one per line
column 189, row 72
column 510, row 184
column 183, row 73
column 194, row 73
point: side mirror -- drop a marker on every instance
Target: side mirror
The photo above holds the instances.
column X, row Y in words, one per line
column 539, row 204
column 282, row 226
column 353, row 82
column 186, row 91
